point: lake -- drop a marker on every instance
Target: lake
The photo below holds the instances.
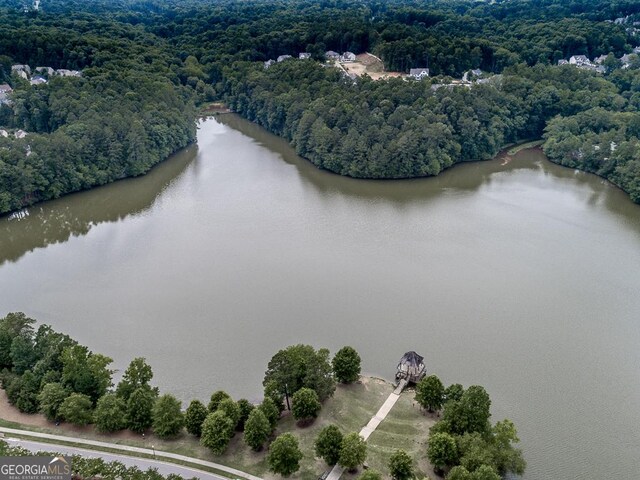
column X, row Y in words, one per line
column 515, row 274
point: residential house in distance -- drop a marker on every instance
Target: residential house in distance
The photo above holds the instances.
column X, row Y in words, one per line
column 5, row 89
column 4, row 133
column 579, row 60
column 20, row 134
column 419, row 73
column 48, row 70
column 23, row 71
column 562, row 61
column 636, row 50
column 348, row 57
column 63, row 72
column 304, row 56
column 331, row 55
column 627, row 59
column 600, row 60
column 476, row 72
column 268, row 63
column 38, row 80
column 282, row 58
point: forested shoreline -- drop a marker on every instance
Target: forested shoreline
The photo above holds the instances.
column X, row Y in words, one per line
column 146, row 64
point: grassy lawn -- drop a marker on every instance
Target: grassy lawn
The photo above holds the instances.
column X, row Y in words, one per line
column 351, row 408
column 407, row 428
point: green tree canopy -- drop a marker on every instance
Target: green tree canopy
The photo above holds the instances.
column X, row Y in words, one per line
column 401, row 465
column 284, row 455
column 168, row 418
column 442, row 450
column 270, row 411
column 217, row 431
column 231, row 410
column 246, row 408
column 76, row 409
column 194, row 417
column 216, row 398
column 50, row 399
column 305, row 404
column 300, row 366
column 430, row 393
column 256, row 430
column 110, row 413
column 346, row 365
column 138, row 374
column 139, row 416
column 328, row 444
column 353, row 451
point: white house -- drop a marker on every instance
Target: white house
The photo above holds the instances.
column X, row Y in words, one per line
column 4, row 133
column 304, row 56
column 20, row 134
column 579, row 60
column 419, row 73
column 282, row 58
column 38, row 80
column 63, row 72
column 562, row 61
column 348, row 57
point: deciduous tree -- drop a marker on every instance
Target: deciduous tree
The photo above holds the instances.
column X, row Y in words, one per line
column 110, row 413
column 353, row 451
column 401, row 466
column 430, row 393
column 195, row 416
column 76, row 409
column 305, row 404
column 346, row 365
column 168, row 418
column 256, row 430
column 217, row 431
column 284, row 455
column 328, row 444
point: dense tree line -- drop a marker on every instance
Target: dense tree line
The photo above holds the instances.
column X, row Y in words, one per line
column 145, row 64
column 128, row 111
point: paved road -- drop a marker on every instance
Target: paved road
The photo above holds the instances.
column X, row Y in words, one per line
column 54, row 443
column 143, row 464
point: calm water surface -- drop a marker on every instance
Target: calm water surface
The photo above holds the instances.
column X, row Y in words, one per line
column 523, row 277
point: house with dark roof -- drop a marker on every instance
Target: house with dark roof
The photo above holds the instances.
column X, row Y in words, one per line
column 419, row 73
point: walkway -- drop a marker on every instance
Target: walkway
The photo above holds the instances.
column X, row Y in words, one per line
column 337, row 471
column 127, row 450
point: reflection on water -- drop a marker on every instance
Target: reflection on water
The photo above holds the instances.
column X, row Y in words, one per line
column 57, row 220
column 515, row 274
